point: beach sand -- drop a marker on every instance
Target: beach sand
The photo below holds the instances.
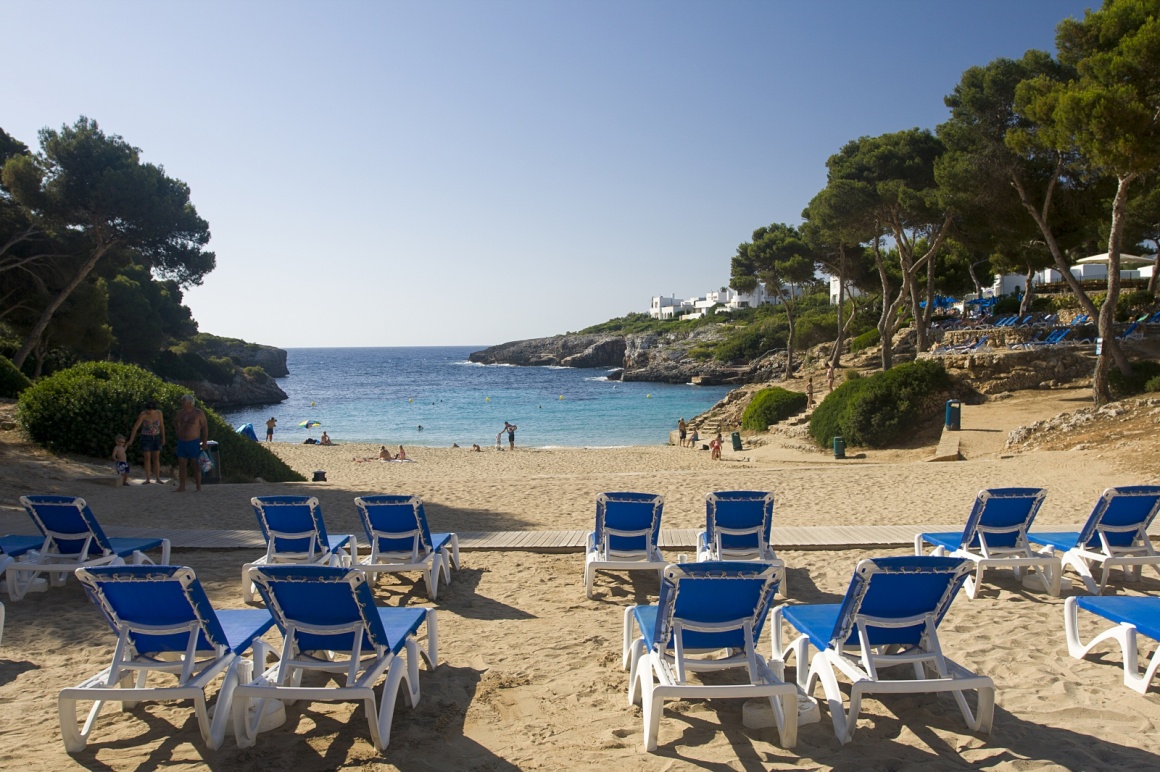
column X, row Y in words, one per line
column 529, row 674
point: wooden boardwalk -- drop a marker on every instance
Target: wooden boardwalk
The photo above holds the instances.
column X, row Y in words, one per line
column 796, row 537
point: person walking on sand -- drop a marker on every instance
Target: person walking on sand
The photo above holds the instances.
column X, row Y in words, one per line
column 715, row 447
column 121, row 460
column 152, row 427
column 830, row 379
column 511, row 430
column 682, row 432
column 192, row 434
column 270, row 428
column 810, row 392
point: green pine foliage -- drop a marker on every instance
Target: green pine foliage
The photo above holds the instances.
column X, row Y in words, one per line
column 876, row 411
column 12, row 381
column 81, row 410
column 769, row 406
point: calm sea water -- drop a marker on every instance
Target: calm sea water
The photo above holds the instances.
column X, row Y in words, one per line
column 382, row 395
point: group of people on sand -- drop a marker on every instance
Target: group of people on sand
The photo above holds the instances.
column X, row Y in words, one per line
column 192, row 435
column 687, row 434
column 384, row 455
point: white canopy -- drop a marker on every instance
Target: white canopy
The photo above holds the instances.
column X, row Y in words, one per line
column 1124, row 259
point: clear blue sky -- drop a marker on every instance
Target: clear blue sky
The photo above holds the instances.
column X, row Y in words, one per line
column 426, row 173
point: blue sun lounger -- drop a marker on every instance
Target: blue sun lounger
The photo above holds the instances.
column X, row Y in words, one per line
column 295, row 533
column 164, row 623
column 626, row 536
column 1132, row 616
column 330, row 624
column 737, row 527
column 1114, row 536
column 708, row 618
column 401, row 540
column 71, row 539
column 888, row 618
column 996, row 537
column 12, row 547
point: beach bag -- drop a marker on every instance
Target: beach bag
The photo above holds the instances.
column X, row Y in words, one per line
column 206, row 462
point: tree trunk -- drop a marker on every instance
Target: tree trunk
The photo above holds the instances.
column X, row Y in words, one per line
column 1028, row 292
column 1101, row 390
column 1111, row 346
column 928, row 312
column 836, row 356
column 789, row 344
column 1155, row 270
column 46, row 316
column 886, row 320
column 975, row 279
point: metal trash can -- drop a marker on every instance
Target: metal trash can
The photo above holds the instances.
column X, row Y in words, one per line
column 839, row 447
column 319, row 475
column 737, row 440
column 954, row 414
column 213, row 476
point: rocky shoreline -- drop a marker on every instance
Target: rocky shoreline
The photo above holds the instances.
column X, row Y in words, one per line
column 653, row 357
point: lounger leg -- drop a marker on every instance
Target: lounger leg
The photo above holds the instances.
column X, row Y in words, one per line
column 214, row 733
column 412, row 674
column 247, row 585
column 653, row 704
column 1085, row 573
column 626, row 647
column 75, row 737
column 381, row 732
column 1, row 622
column 445, row 563
column 843, row 724
column 588, row 578
column 431, row 579
column 455, row 550
column 431, row 654
column 635, row 673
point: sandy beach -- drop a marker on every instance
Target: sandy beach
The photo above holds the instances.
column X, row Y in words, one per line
column 529, row 674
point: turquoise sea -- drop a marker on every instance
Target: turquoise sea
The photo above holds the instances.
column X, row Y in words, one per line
column 382, row 395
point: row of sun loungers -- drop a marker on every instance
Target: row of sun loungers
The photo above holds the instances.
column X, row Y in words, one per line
column 709, row 614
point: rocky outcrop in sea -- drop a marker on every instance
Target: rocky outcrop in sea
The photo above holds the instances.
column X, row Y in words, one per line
column 242, row 391
column 658, row 357
column 244, row 354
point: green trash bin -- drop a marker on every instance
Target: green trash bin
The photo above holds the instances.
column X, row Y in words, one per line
column 839, row 447
column 737, row 440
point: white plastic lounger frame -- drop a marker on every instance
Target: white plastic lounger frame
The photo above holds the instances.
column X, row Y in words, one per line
column 1128, row 613
column 333, row 606
column 625, row 539
column 706, row 610
column 309, row 546
column 142, row 648
column 843, row 634
column 72, row 539
column 737, row 527
column 416, row 548
column 996, row 537
column 1114, row 536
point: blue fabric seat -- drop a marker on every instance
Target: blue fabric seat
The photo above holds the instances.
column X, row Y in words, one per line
column 1114, row 536
column 401, row 540
column 164, row 622
column 1132, row 616
column 709, row 617
column 329, row 623
column 71, row 538
column 889, row 617
column 626, row 536
column 995, row 536
column 296, row 533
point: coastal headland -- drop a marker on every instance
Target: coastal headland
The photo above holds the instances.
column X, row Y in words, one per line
column 529, row 673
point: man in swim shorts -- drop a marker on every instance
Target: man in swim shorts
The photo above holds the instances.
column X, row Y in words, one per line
column 192, row 434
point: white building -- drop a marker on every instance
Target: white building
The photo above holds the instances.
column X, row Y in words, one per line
column 851, row 291
column 666, row 307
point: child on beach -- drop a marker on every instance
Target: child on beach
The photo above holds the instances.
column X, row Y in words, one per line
column 715, row 446
column 121, row 460
column 694, row 438
column 499, row 441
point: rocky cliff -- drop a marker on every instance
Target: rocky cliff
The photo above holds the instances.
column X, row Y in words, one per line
column 243, row 390
column 662, row 357
column 269, row 358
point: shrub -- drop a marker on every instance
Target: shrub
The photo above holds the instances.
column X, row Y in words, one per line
column 256, row 373
column 1153, row 384
column 877, row 410
column 1008, row 304
column 81, row 409
column 1126, row 385
column 191, row 366
column 12, row 381
column 865, row 340
column 769, row 406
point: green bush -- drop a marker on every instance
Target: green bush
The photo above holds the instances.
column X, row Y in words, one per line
column 81, row 409
column 865, row 340
column 1153, row 384
column 190, row 366
column 877, row 410
column 12, row 381
column 1006, row 305
column 256, row 373
column 769, row 406
column 1126, row 385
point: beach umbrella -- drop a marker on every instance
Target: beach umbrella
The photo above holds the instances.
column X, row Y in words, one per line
column 309, row 424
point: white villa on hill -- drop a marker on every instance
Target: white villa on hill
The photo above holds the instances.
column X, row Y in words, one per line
column 671, row 307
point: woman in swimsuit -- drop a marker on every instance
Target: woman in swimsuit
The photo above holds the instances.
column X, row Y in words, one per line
column 152, row 427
